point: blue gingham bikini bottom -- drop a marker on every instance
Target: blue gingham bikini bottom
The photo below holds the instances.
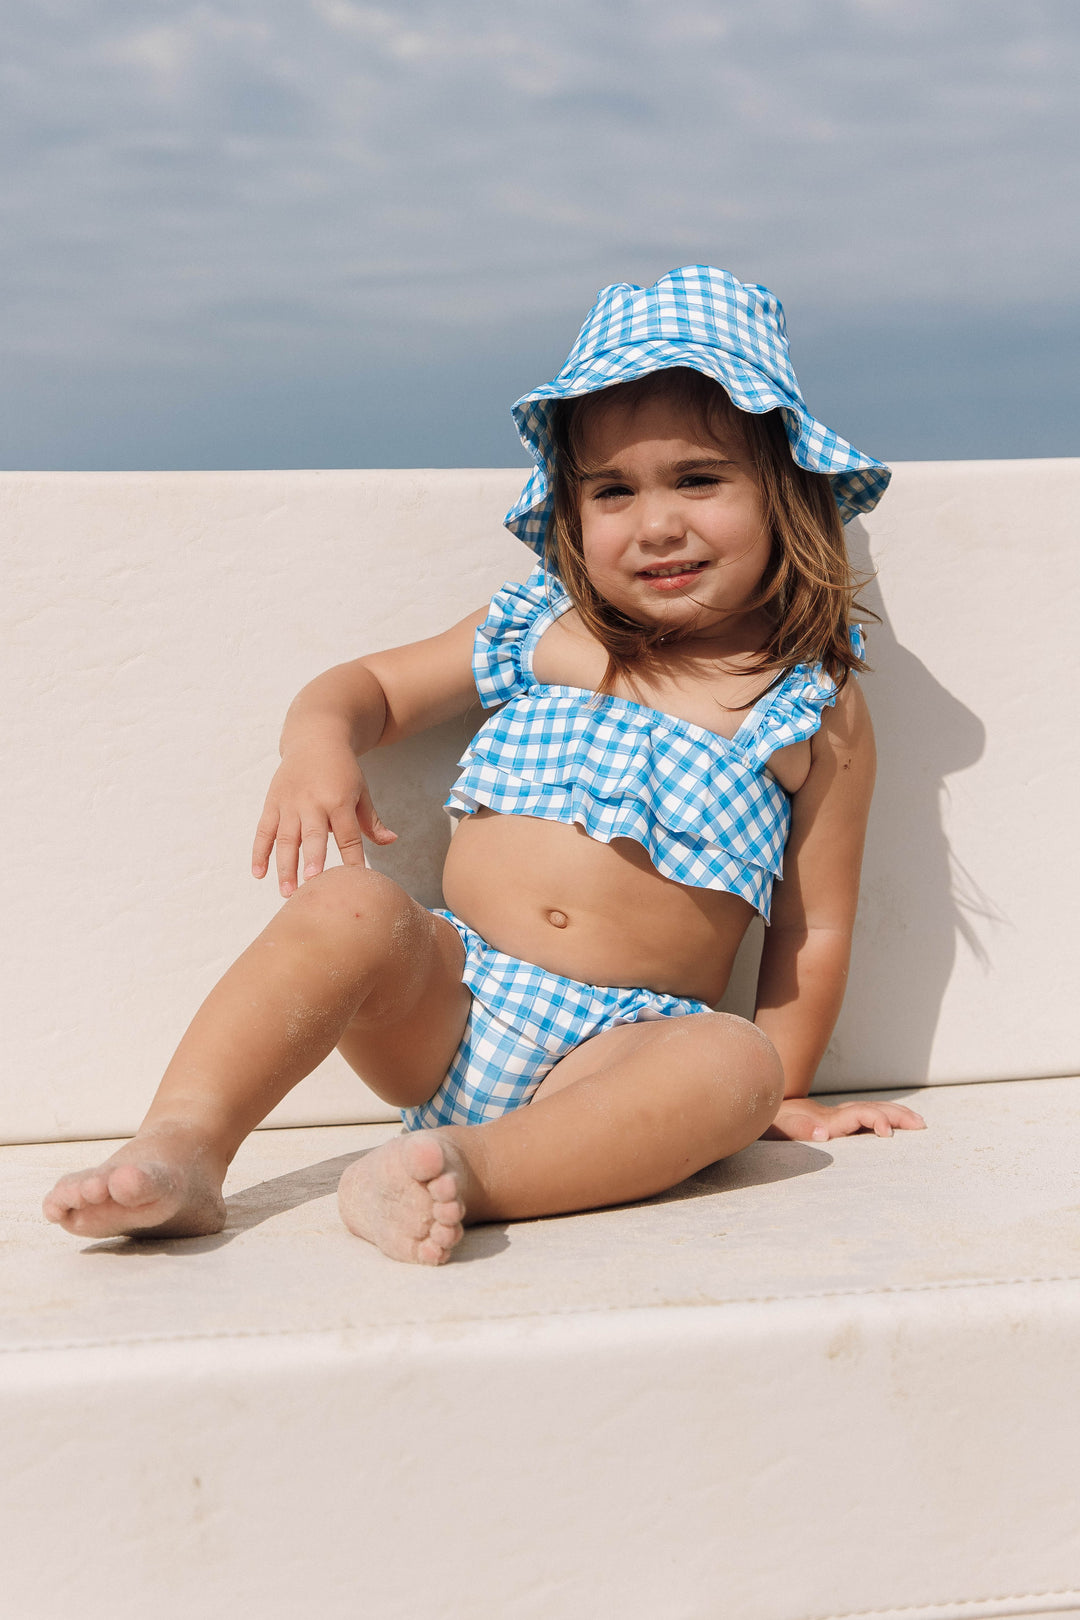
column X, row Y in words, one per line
column 521, row 1022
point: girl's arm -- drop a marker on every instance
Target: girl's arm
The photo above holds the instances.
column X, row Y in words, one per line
column 804, row 962
column 319, row 788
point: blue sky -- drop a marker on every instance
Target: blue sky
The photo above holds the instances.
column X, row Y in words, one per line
column 324, row 233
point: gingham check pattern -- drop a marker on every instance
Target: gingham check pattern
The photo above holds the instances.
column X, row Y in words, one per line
column 704, row 319
column 704, row 806
column 522, row 1021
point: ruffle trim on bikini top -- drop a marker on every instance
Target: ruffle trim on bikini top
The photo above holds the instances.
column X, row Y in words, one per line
column 704, row 806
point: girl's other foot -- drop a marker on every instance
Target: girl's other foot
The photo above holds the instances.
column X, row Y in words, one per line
column 408, row 1197
column 164, row 1183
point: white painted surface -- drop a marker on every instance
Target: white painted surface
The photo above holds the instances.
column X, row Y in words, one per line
column 966, row 962
column 155, row 626
column 812, row 1382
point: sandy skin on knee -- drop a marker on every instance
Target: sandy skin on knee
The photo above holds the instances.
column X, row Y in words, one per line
column 408, row 1197
column 166, row 1182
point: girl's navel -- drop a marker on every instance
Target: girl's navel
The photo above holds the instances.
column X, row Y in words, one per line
column 557, row 919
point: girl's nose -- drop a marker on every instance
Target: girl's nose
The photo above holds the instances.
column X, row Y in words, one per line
column 662, row 517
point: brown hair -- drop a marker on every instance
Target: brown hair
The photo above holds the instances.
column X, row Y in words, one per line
column 808, row 589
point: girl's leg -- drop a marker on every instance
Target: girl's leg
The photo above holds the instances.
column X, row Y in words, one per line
column 629, row 1114
column 350, row 955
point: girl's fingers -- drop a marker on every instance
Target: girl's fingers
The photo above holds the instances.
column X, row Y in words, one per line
column 863, row 1116
column 368, row 818
column 347, row 836
column 906, row 1119
column 313, row 840
column 830, row 1120
column 288, row 852
column 265, row 833
column 884, row 1118
column 797, row 1127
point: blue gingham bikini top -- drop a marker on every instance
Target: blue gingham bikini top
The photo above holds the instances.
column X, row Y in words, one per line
column 705, row 807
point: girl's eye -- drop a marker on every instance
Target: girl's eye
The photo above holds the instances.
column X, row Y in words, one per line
column 612, row 492
column 699, row 481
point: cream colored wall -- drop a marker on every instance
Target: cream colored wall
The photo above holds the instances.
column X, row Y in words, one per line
column 155, row 627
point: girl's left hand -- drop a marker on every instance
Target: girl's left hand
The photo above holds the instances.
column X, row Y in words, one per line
column 804, row 1119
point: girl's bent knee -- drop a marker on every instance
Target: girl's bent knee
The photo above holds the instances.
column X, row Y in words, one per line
column 764, row 1062
column 766, row 1083
column 751, row 1060
column 354, row 895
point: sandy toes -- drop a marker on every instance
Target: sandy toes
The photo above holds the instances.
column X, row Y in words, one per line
column 408, row 1197
column 162, row 1184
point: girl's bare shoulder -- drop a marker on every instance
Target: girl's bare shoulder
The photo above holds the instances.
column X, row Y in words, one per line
column 846, row 724
column 568, row 654
column 843, row 759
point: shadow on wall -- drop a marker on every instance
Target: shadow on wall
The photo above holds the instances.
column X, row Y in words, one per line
column 917, row 900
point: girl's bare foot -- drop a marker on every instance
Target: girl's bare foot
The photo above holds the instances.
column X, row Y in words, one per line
column 164, row 1183
column 408, row 1197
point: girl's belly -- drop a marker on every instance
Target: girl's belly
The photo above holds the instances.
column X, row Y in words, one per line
column 547, row 893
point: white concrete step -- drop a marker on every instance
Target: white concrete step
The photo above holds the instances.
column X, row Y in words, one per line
column 815, row 1381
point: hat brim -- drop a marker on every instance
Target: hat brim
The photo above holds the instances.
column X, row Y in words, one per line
column 858, row 480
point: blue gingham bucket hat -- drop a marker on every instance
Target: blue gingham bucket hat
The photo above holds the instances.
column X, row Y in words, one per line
column 706, row 320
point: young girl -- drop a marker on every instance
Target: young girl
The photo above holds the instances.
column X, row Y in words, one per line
column 678, row 729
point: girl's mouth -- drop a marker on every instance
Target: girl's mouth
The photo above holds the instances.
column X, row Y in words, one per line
column 670, row 576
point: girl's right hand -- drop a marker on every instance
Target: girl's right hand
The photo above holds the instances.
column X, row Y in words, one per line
column 315, row 792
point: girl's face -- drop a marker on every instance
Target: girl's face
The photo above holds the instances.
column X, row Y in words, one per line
column 672, row 525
